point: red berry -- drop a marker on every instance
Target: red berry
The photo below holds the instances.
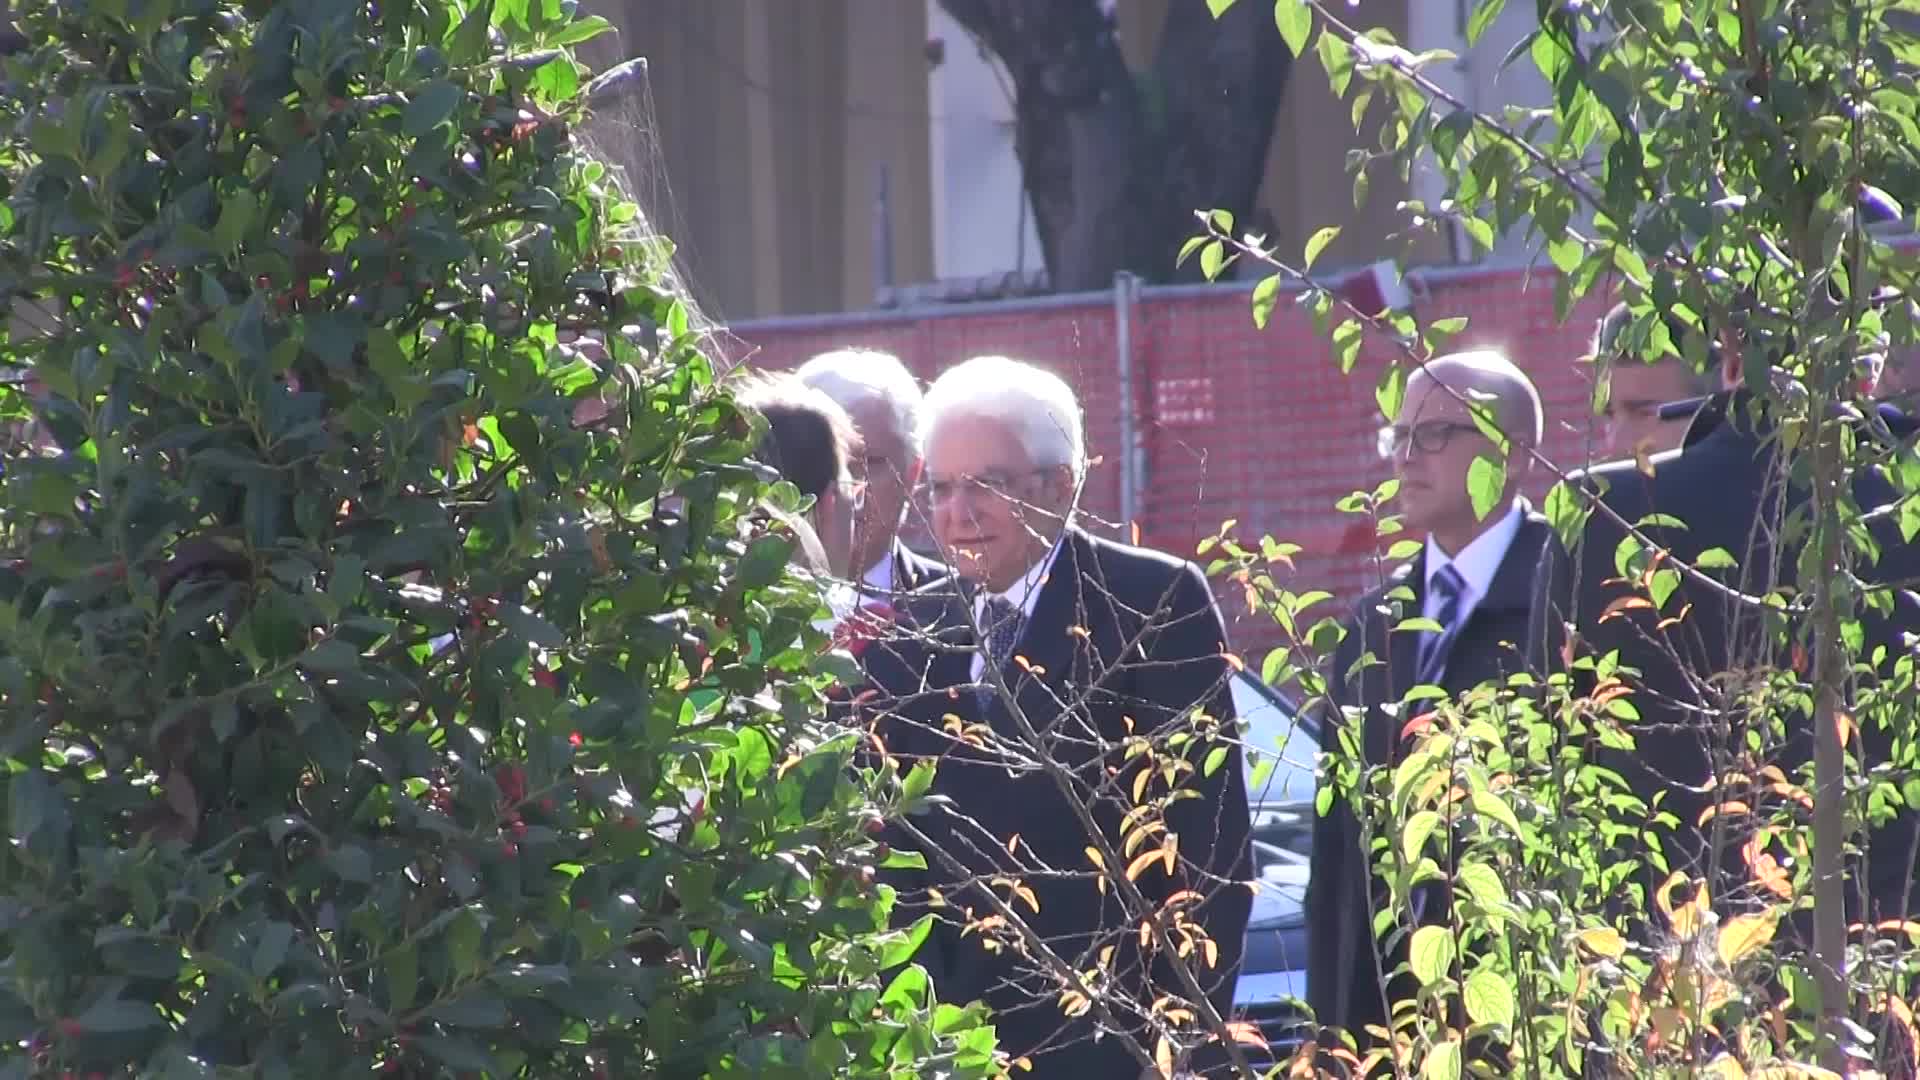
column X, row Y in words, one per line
column 69, row 1028
column 575, row 739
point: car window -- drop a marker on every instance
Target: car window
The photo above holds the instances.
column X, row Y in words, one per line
column 1274, row 734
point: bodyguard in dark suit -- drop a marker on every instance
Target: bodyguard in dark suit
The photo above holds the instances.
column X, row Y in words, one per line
column 1032, row 676
column 1729, row 489
column 1475, row 579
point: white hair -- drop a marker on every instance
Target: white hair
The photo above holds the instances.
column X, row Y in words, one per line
column 1037, row 404
column 852, row 377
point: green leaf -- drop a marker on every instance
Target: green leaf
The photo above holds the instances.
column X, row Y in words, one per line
column 352, row 863
column 1483, row 17
column 459, row 1052
column 463, row 944
column 579, row 30
column 473, row 1010
column 331, row 657
column 1346, row 343
column 1318, row 242
column 237, row 213
column 275, row 939
column 908, row 989
column 1265, row 293
column 1213, row 259
column 468, row 42
column 1391, row 391
column 1489, row 998
column 1661, row 586
column 1193, row 244
column 1567, row 513
column 1482, row 883
column 918, row 781
column 1414, row 835
column 1215, row 758
column 1486, row 483
column 904, row 860
column 1629, row 262
column 1487, row 804
column 403, row 977
column 1431, row 954
column 531, row 627
column 1404, row 549
column 117, row 1015
column 1295, row 20
column 429, row 108
column 901, row 951
column 31, row 802
column 1442, row 1061
column 1715, row 559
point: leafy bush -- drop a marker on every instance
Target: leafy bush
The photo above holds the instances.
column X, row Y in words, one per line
column 1743, row 169
column 399, row 668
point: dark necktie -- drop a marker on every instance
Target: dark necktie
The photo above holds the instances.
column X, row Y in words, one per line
column 1450, row 589
column 1001, row 623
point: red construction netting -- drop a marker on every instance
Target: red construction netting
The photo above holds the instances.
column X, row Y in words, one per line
column 1235, row 422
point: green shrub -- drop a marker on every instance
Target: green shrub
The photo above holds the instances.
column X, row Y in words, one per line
column 365, row 700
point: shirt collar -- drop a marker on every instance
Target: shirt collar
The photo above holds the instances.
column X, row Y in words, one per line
column 1480, row 560
column 1026, row 589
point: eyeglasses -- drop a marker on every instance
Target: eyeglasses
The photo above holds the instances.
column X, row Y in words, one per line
column 991, row 482
column 1428, row 437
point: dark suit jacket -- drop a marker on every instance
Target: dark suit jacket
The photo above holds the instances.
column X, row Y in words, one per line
column 1724, row 485
column 912, row 570
column 1120, row 640
column 1343, row 983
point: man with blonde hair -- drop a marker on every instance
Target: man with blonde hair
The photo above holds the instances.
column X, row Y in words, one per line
column 1057, row 651
column 883, row 400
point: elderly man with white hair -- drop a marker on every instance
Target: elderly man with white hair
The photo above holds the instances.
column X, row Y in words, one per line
column 1057, row 651
column 1475, row 579
column 882, row 399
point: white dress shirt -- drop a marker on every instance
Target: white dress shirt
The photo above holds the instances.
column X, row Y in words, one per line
column 1022, row 594
column 1476, row 564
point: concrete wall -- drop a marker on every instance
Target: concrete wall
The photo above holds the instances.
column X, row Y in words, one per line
column 761, row 146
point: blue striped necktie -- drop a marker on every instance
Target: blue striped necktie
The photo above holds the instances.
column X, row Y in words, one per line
column 1450, row 589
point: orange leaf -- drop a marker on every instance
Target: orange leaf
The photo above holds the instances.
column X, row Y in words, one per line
column 1234, row 661
column 1727, row 808
column 1140, row 863
column 1843, row 720
column 1136, row 534
column 1244, row 1032
column 1418, row 724
column 1624, row 604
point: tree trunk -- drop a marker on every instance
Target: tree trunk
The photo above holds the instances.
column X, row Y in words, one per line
column 1116, row 163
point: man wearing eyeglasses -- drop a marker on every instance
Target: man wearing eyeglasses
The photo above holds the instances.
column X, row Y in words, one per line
column 1474, row 581
column 1059, row 670
column 882, row 399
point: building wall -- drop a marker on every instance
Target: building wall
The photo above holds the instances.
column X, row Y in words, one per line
column 777, row 118
column 776, row 121
column 982, row 224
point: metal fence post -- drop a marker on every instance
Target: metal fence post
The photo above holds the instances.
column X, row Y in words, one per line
column 1126, row 288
